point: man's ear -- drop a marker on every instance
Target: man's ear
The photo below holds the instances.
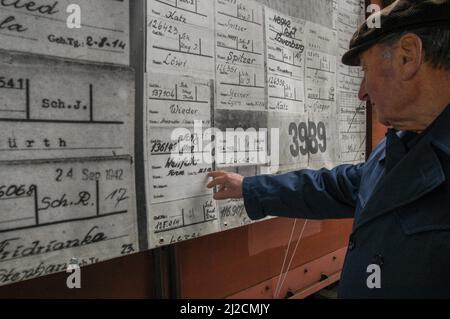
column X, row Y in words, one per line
column 409, row 55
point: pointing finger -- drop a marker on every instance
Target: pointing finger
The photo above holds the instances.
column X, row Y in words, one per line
column 217, row 181
column 216, row 174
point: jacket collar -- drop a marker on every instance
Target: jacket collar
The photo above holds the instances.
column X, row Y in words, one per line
column 417, row 174
column 439, row 132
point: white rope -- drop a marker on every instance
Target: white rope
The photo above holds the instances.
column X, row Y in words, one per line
column 285, row 257
column 292, row 258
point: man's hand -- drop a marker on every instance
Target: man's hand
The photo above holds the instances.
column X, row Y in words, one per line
column 230, row 184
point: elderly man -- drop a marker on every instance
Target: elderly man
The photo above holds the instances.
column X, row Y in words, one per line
column 399, row 198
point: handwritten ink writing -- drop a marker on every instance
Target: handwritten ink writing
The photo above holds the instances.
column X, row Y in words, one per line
column 175, row 61
column 177, row 109
column 33, row 27
column 174, row 15
column 8, row 248
column 10, row 24
column 31, row 6
column 240, row 58
column 172, row 163
column 63, row 201
column 289, row 42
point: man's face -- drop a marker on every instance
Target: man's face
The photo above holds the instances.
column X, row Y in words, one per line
column 381, row 84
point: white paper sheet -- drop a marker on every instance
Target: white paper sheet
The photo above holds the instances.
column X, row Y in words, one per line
column 42, row 27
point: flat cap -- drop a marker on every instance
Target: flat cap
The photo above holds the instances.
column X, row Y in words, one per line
column 402, row 15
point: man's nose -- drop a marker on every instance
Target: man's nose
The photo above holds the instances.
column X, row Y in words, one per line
column 362, row 94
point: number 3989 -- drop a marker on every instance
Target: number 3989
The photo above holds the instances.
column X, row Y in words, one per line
column 307, row 138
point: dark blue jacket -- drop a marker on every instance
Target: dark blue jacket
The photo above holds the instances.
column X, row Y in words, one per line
column 401, row 219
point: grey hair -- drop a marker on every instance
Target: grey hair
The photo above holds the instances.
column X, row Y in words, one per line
column 435, row 42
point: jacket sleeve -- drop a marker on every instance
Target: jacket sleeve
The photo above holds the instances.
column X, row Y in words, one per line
column 322, row 194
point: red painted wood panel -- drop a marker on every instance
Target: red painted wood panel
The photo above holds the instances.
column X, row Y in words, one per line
column 126, row 277
column 223, row 264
